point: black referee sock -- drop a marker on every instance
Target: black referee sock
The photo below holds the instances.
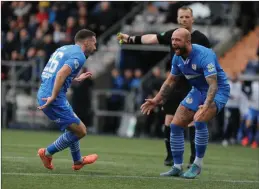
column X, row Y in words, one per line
column 167, row 131
column 192, row 138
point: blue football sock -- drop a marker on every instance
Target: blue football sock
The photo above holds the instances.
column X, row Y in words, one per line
column 177, row 144
column 249, row 133
column 75, row 151
column 64, row 141
column 240, row 132
column 201, row 138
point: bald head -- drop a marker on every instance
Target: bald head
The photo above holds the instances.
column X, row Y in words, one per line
column 183, row 33
column 181, row 41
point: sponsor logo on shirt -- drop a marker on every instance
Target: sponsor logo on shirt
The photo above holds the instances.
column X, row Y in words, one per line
column 211, row 67
column 76, row 63
column 194, row 66
column 189, row 100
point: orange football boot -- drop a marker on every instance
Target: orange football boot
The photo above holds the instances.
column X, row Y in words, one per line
column 86, row 160
column 245, row 141
column 45, row 159
column 254, row 145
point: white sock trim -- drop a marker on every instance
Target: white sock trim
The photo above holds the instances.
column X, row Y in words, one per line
column 198, row 161
column 178, row 166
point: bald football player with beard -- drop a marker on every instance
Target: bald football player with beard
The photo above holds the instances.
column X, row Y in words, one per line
column 185, row 20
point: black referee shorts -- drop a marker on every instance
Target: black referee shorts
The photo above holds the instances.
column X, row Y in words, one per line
column 173, row 102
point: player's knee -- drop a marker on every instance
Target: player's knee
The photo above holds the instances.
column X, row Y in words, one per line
column 179, row 123
column 83, row 131
column 80, row 130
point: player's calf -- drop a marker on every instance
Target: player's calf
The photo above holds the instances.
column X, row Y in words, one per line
column 201, row 142
column 182, row 118
column 169, row 159
column 73, row 134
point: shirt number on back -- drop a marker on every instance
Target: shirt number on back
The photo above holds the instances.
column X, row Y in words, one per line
column 54, row 61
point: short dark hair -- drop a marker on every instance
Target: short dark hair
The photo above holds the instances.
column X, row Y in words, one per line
column 83, row 34
column 186, row 8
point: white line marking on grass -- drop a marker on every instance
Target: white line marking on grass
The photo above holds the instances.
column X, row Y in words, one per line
column 121, row 164
column 122, row 176
column 234, row 162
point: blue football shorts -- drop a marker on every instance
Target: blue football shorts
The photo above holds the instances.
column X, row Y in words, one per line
column 195, row 98
column 61, row 113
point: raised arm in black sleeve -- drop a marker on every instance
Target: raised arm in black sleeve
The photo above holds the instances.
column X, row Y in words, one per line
column 165, row 37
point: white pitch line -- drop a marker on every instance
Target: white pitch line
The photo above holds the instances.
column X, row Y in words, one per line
column 63, row 159
column 122, row 176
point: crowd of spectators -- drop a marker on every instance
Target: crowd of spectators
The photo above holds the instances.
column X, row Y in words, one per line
column 129, row 81
column 33, row 30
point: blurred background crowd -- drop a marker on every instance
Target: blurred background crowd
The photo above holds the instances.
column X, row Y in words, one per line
column 124, row 75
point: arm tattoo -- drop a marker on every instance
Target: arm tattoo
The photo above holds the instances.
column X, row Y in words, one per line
column 213, row 87
column 167, row 88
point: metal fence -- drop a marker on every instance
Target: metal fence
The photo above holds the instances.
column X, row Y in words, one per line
column 19, row 96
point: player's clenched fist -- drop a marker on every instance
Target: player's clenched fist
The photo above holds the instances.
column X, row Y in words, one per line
column 122, row 38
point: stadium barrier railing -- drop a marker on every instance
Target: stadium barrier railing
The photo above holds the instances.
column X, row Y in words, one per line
column 19, row 105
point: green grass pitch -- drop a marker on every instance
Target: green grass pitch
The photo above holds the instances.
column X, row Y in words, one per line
column 123, row 164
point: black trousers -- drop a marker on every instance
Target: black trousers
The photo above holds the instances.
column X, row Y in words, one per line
column 232, row 122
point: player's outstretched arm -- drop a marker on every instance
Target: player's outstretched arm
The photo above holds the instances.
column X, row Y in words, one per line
column 83, row 76
column 167, row 87
column 161, row 96
column 144, row 39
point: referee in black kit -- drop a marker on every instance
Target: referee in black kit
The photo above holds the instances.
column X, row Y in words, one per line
column 185, row 20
